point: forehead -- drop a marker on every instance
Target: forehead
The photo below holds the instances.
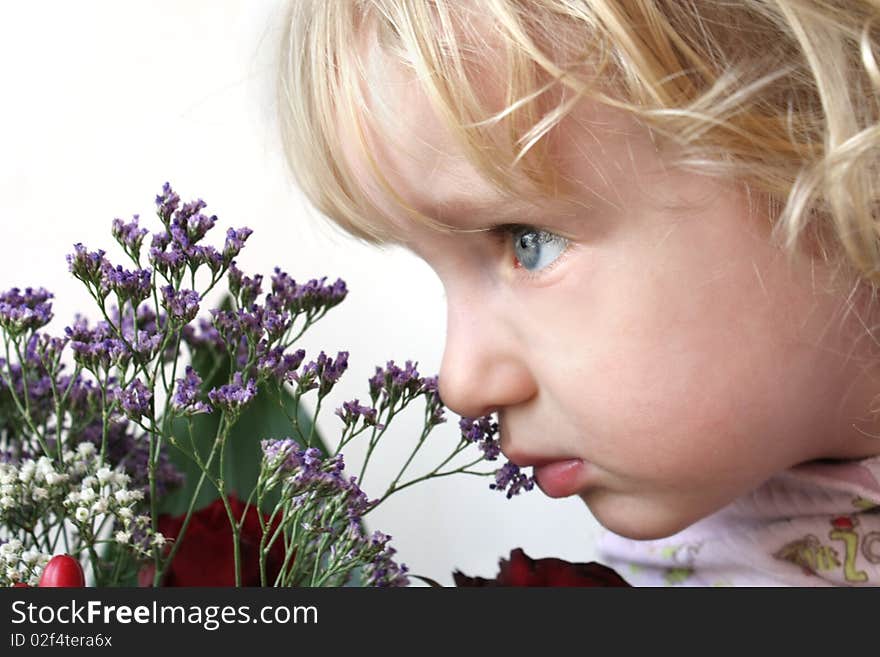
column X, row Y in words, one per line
column 427, row 170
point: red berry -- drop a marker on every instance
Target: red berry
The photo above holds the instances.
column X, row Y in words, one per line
column 62, row 571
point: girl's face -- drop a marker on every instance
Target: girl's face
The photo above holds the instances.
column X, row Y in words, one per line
column 646, row 348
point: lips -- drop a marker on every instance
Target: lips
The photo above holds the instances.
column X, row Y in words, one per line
column 560, row 478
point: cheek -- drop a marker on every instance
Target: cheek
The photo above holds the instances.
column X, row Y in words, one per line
column 672, row 381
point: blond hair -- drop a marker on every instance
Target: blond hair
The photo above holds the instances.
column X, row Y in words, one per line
column 779, row 94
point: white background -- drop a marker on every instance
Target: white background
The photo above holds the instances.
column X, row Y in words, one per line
column 102, row 102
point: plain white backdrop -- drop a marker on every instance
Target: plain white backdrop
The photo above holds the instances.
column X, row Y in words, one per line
column 103, row 101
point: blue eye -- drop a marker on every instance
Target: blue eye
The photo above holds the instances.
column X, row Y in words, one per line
column 536, row 249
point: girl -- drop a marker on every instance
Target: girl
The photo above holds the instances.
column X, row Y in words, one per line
column 656, row 223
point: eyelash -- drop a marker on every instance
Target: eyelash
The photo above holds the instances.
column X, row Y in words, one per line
column 503, row 235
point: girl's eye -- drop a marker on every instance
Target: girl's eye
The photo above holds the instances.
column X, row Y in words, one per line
column 535, row 249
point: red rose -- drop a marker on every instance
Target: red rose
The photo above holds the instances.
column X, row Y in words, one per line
column 206, row 557
column 522, row 570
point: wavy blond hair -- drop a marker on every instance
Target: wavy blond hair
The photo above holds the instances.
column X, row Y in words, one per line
column 779, row 94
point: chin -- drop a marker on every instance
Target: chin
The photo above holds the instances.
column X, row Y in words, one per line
column 637, row 519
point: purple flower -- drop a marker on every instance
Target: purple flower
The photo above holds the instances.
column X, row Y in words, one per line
column 186, row 394
column 129, row 235
column 135, row 400
column 134, row 286
column 509, row 478
column 352, row 410
column 235, row 240
column 482, row 432
column 44, row 351
column 87, row 265
column 100, row 354
column 244, row 288
column 22, row 312
column 394, row 383
column 96, row 349
column 383, row 571
column 166, row 203
column 189, row 225
column 435, row 407
column 312, row 297
column 233, row 325
column 306, row 474
column 181, row 305
column 322, row 373
column 171, row 262
column 274, row 363
column 207, row 255
column 234, row 395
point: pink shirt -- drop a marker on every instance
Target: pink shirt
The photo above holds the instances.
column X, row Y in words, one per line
column 817, row 524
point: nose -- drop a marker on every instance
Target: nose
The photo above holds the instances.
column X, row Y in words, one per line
column 484, row 368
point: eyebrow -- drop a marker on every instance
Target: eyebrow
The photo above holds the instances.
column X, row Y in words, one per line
column 499, row 210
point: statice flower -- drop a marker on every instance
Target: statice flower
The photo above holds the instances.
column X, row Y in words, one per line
column 350, row 411
column 233, row 396
column 322, row 373
column 382, row 570
column 135, row 400
column 27, row 311
column 186, row 395
column 181, row 305
column 311, row 297
column 235, row 240
column 166, row 203
column 482, row 431
column 87, row 265
column 133, row 286
column 245, row 288
column 166, row 257
column 129, row 235
column 276, row 364
column 509, row 478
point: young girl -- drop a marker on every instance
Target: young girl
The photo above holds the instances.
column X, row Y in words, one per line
column 657, row 225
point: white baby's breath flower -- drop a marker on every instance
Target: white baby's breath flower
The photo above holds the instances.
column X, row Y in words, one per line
column 89, row 482
column 85, row 449
column 8, row 477
column 104, row 474
column 100, row 506
column 122, row 496
column 82, row 514
column 87, row 496
column 12, row 574
column 120, row 478
column 44, row 465
column 30, row 556
column 7, row 501
column 11, row 548
column 53, row 478
column 72, row 498
column 158, row 539
column 39, row 494
column 7, row 489
column 123, row 537
column 26, row 472
column 125, row 513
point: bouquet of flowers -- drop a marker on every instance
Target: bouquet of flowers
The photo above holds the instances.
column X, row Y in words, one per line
column 159, row 426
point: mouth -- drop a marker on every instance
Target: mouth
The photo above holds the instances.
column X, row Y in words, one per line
column 560, row 478
column 557, row 478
